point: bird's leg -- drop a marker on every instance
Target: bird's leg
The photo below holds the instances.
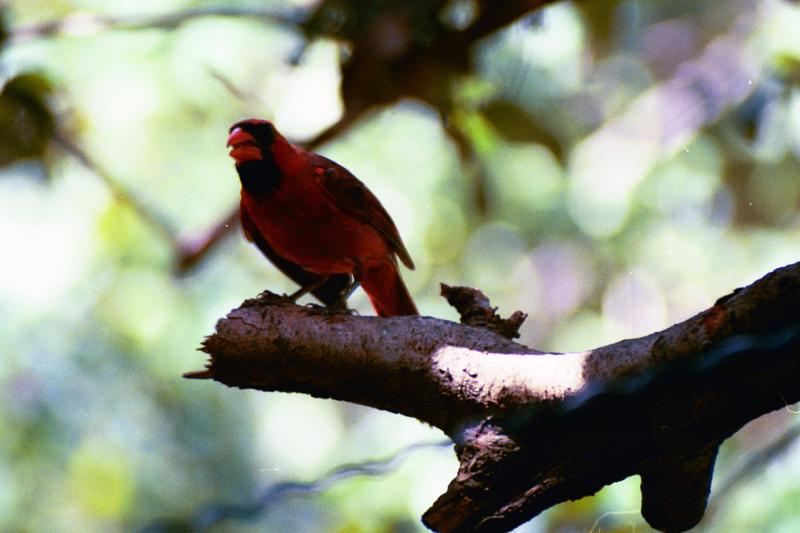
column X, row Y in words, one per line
column 341, row 302
column 302, row 291
column 349, row 290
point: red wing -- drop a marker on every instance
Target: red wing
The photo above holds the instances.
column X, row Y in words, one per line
column 328, row 293
column 353, row 197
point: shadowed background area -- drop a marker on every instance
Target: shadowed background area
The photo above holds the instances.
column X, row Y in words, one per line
column 608, row 167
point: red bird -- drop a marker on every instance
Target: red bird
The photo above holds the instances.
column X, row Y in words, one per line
column 317, row 222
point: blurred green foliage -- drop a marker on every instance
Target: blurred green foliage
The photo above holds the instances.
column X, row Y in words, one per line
column 607, row 167
column 28, row 123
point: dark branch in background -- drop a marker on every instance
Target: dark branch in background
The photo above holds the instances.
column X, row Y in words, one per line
column 496, row 15
column 535, row 429
column 210, row 515
column 86, row 23
column 192, row 250
column 187, row 251
column 752, row 467
column 120, row 193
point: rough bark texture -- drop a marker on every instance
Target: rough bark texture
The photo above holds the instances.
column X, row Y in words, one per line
column 534, row 429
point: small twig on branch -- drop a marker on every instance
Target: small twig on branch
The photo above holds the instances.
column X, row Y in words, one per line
column 475, row 310
column 534, row 429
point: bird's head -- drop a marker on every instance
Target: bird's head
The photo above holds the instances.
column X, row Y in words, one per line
column 252, row 140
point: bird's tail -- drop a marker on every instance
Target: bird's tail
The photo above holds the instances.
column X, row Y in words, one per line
column 386, row 290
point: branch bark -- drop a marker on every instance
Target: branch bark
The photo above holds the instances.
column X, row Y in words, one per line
column 533, row 429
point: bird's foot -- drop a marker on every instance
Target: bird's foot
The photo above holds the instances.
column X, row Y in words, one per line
column 338, row 307
column 265, row 298
column 340, row 304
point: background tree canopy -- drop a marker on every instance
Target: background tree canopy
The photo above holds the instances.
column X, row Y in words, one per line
column 608, row 167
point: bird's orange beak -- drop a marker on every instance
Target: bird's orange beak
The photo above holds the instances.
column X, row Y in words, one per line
column 244, row 146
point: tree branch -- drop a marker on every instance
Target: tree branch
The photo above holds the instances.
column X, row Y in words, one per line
column 533, row 429
column 496, row 15
column 752, row 467
column 118, row 191
column 89, row 23
column 213, row 514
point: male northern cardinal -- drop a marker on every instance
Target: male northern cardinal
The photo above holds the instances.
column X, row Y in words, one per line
column 317, row 222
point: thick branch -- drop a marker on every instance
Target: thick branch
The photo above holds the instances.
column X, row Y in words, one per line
column 473, row 373
column 414, row 366
column 534, row 429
